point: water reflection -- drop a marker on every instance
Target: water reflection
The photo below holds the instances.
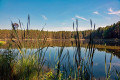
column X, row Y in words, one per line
column 61, row 61
column 112, row 46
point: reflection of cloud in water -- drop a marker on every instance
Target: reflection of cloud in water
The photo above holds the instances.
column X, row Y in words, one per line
column 114, row 64
column 96, row 64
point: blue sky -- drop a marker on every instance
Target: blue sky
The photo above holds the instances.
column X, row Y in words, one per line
column 59, row 14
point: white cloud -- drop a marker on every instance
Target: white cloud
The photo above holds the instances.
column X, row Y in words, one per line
column 114, row 12
column 81, row 18
column 73, row 19
column 96, row 12
column 110, row 10
column 44, row 17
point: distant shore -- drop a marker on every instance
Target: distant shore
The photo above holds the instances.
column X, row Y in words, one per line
column 49, row 39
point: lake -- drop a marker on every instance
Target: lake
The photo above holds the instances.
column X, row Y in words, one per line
column 97, row 62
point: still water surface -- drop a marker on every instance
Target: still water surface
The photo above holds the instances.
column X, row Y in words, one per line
column 98, row 60
column 102, row 58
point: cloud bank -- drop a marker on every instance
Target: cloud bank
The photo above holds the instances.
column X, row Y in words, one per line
column 113, row 12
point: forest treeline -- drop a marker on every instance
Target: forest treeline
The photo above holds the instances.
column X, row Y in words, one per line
column 108, row 32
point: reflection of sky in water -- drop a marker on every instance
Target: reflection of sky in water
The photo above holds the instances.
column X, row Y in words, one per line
column 98, row 59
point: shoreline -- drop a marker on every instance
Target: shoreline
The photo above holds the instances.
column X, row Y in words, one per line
column 49, row 39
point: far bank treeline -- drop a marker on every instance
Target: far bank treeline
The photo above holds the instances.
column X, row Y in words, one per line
column 108, row 32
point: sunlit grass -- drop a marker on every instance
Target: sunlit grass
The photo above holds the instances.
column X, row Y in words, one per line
column 2, row 42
